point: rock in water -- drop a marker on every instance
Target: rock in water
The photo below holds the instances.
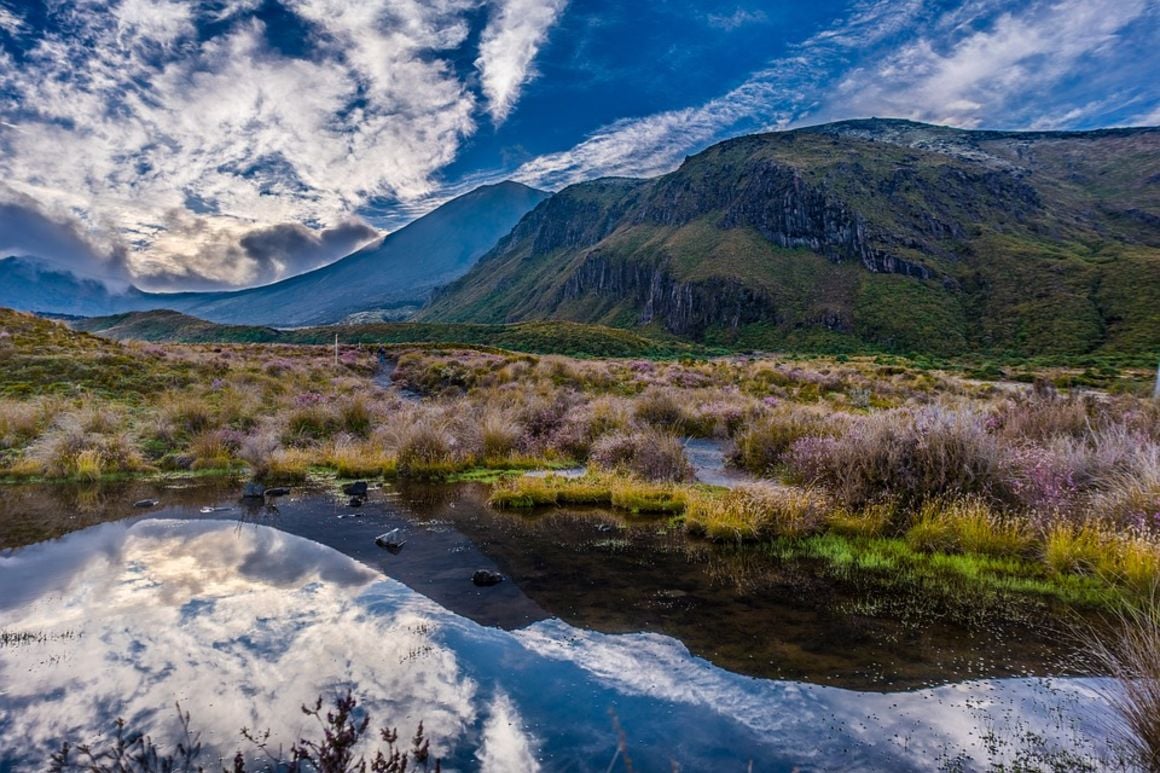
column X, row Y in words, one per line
column 486, row 577
column 277, row 492
column 392, row 541
column 144, row 503
column 253, row 490
column 356, row 489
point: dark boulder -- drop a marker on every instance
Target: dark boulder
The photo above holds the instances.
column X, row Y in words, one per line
column 486, row 577
column 356, row 489
column 146, row 503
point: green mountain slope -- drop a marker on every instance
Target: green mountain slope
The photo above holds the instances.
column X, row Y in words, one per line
column 886, row 233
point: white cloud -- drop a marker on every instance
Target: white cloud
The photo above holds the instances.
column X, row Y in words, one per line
column 972, row 77
column 740, row 17
column 965, row 66
column 126, row 117
column 505, row 745
column 10, row 22
column 515, row 31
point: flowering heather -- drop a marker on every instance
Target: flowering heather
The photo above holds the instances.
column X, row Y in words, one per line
column 1041, row 479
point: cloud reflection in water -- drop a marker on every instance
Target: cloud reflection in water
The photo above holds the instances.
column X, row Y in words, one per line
column 243, row 625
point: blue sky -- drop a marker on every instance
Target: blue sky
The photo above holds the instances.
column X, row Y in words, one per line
column 221, row 143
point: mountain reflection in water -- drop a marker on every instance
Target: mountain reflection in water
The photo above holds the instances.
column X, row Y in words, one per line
column 242, row 624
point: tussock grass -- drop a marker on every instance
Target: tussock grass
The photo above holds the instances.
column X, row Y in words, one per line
column 358, row 460
column 1131, row 655
column 632, row 495
column 1070, row 548
column 756, row 512
column 648, row 454
column 968, row 526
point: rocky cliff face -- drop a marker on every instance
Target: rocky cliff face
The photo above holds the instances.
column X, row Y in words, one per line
column 683, row 308
column 853, row 229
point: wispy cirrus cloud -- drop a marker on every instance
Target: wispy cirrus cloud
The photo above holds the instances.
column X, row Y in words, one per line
column 975, row 74
column 515, row 31
column 985, row 62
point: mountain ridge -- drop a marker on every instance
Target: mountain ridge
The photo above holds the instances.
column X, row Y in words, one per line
column 903, row 235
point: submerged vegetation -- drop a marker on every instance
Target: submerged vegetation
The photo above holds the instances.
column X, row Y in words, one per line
column 1059, row 484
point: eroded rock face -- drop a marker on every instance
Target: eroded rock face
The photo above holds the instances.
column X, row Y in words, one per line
column 684, row 308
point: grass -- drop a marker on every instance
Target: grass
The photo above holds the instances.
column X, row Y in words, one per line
column 864, row 447
column 1131, row 655
column 629, row 494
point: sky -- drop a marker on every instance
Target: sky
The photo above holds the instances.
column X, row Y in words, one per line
column 214, row 144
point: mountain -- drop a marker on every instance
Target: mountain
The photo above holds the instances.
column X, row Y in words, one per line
column 400, row 270
column 887, row 233
column 33, row 284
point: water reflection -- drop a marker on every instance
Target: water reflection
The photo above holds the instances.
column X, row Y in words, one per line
column 243, row 625
column 743, row 608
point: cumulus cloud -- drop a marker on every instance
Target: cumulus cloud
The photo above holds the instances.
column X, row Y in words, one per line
column 205, row 253
column 515, row 31
column 124, row 112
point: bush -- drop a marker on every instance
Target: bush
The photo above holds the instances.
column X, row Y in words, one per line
column 499, row 436
column 648, row 454
column 424, row 450
column 309, row 424
column 907, row 455
column 760, row 448
column 660, row 408
column 354, row 417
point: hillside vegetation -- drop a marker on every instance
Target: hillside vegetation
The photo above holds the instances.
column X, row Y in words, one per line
column 896, row 235
column 534, row 337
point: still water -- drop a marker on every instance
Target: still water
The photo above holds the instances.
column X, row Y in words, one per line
column 706, row 657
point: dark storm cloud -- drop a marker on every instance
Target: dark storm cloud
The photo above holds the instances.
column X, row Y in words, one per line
column 27, row 231
column 289, row 248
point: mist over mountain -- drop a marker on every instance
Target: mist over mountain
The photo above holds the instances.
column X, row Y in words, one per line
column 398, row 271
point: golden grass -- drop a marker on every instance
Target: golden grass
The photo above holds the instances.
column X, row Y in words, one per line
column 755, row 512
column 358, row 460
column 1070, row 548
column 968, row 526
